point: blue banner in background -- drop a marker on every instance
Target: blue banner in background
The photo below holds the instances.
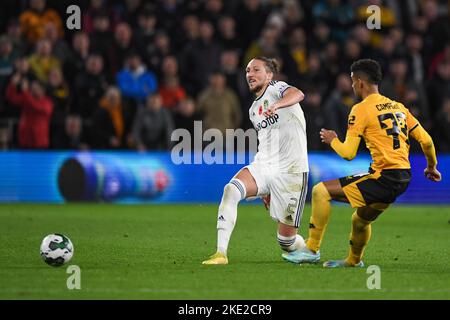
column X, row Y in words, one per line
column 129, row 177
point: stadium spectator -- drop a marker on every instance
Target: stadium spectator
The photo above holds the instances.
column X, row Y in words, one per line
column 59, row 92
column 14, row 32
column 266, row 45
column 170, row 90
column 155, row 53
column 135, row 81
column 202, row 56
column 5, row 138
column 251, row 16
column 312, row 40
column 73, row 137
column 213, row 10
column 415, row 57
column 437, row 59
column 60, row 49
column 7, row 57
column 22, row 68
column 437, row 26
column 402, row 88
column 102, row 38
column 439, row 86
column 363, row 37
column 315, row 77
column 108, row 131
column 89, row 87
column 79, row 54
column 320, row 37
column 95, row 7
column 185, row 115
column 297, row 54
column 331, row 61
column 43, row 60
column 229, row 64
column 121, row 47
column 352, row 52
column 219, row 105
column 169, row 13
column 153, row 125
column 337, row 106
column 145, row 33
column 33, row 21
column 189, row 31
column 36, row 110
column 386, row 52
column 235, row 78
column 315, row 118
column 398, row 36
column 443, row 125
column 9, row 10
column 130, row 12
column 227, row 34
column 337, row 14
column 293, row 14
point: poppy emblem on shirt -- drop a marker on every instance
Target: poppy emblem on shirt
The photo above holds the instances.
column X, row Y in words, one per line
column 260, row 110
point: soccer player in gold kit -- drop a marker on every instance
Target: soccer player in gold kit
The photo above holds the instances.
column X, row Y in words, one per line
column 386, row 126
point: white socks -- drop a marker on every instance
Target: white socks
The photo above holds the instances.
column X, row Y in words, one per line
column 290, row 244
column 233, row 193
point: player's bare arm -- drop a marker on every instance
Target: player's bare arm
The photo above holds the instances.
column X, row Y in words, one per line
column 291, row 97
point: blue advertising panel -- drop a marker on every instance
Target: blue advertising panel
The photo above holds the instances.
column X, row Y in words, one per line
column 130, row 177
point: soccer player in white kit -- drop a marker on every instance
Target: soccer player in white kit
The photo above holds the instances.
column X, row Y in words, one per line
column 279, row 172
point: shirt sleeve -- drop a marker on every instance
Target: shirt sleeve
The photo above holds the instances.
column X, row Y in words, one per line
column 279, row 88
column 357, row 121
column 411, row 121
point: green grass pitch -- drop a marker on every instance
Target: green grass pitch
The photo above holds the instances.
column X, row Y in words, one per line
column 155, row 252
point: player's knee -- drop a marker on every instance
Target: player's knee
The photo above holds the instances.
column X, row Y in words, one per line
column 359, row 223
column 379, row 206
column 234, row 191
column 319, row 191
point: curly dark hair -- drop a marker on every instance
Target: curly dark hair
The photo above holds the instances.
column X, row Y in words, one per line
column 369, row 69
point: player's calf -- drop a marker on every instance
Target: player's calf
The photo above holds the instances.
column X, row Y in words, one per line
column 233, row 193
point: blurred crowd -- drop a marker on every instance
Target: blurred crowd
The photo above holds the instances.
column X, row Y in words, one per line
column 139, row 69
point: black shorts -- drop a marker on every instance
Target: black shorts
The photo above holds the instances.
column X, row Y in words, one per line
column 375, row 187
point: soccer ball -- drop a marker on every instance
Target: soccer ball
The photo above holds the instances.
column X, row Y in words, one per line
column 56, row 249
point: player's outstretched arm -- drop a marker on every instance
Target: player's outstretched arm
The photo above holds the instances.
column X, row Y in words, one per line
column 427, row 145
column 291, row 96
column 346, row 149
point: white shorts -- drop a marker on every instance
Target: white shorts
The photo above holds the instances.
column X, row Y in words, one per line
column 287, row 192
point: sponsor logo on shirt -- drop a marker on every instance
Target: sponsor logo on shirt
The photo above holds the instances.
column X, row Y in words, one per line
column 267, row 122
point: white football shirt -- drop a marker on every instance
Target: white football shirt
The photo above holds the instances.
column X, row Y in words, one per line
column 282, row 137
